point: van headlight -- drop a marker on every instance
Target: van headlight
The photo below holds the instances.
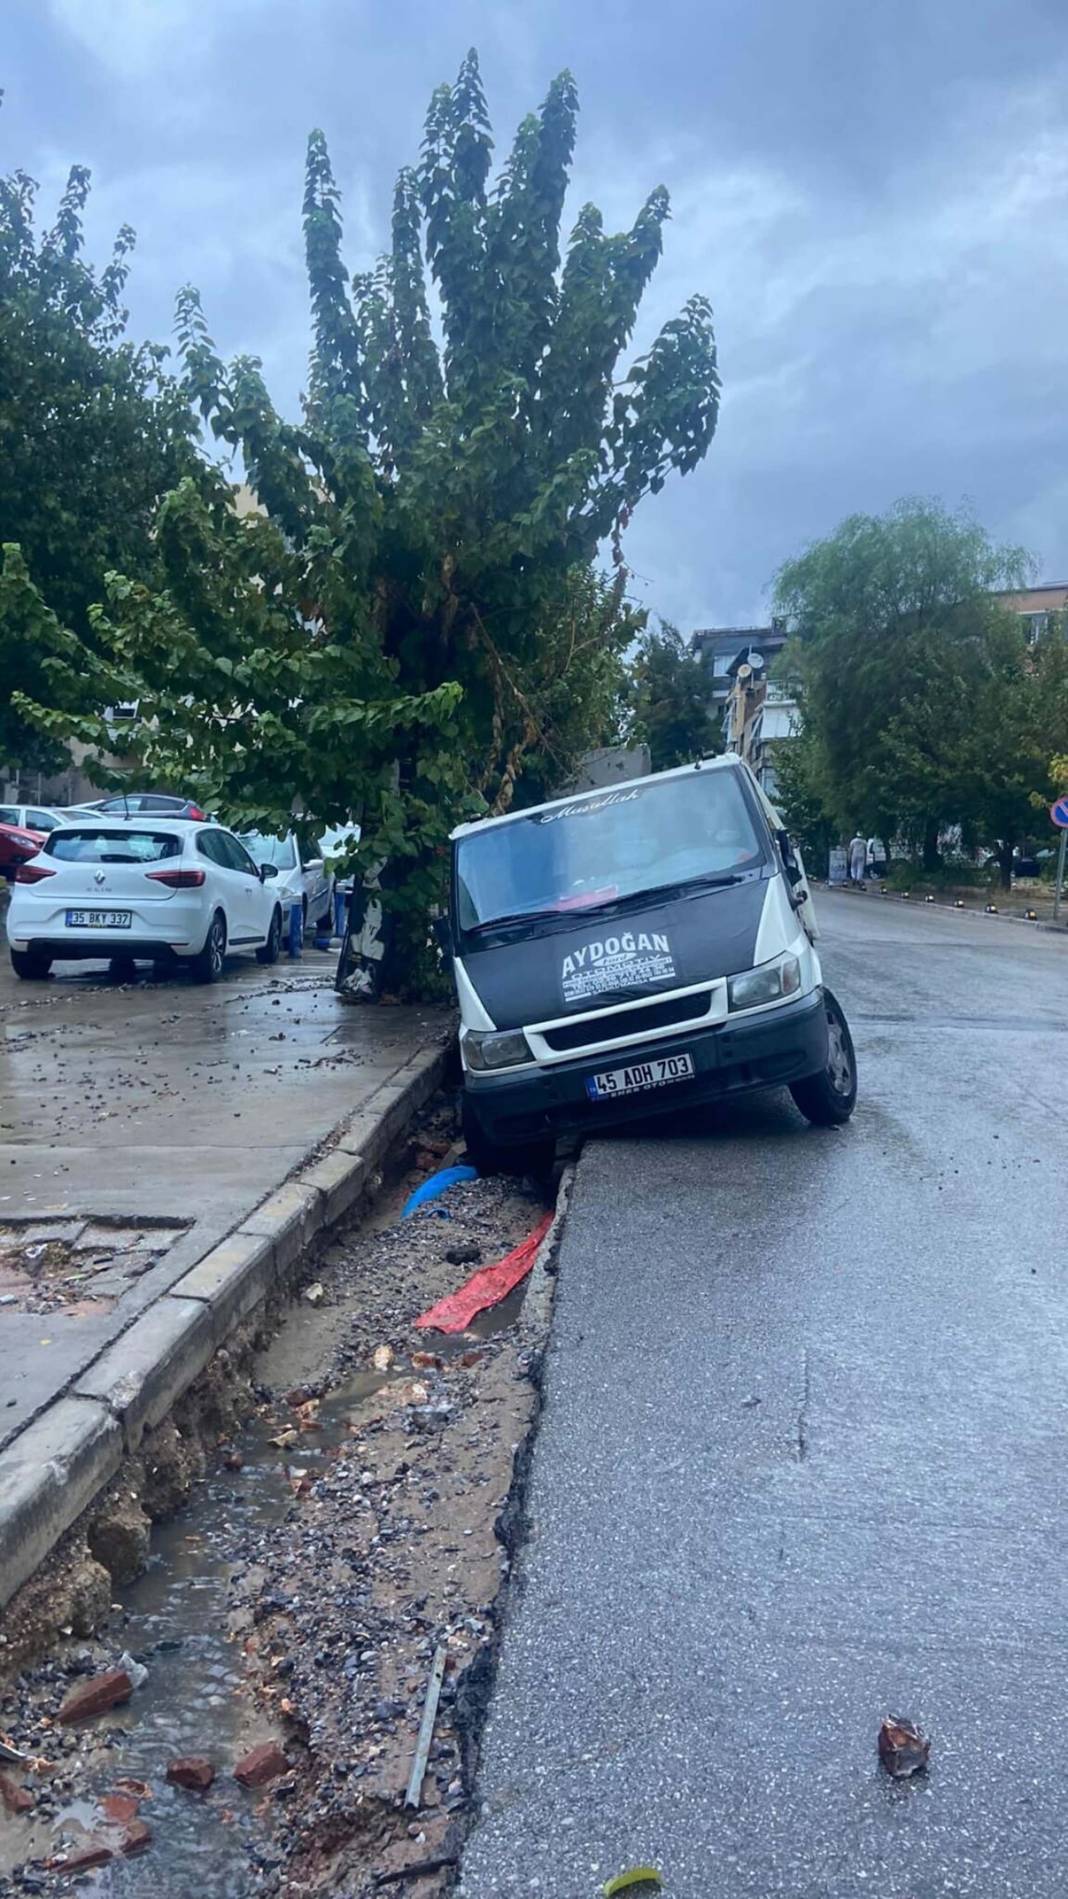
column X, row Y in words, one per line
column 768, row 983
column 496, row 1048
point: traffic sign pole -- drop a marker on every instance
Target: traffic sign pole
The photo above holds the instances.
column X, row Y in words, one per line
column 1060, row 876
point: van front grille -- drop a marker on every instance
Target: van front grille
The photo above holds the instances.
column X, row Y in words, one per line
column 610, row 1025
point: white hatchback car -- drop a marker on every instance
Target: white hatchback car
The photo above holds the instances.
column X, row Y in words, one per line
column 166, row 890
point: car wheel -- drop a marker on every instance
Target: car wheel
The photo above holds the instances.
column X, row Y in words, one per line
column 208, row 965
column 490, row 1157
column 828, row 1099
column 30, row 967
column 268, row 952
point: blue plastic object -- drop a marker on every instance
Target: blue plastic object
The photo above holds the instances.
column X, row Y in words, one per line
column 438, row 1183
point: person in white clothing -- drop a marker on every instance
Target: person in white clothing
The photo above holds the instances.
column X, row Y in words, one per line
column 876, row 857
column 858, row 859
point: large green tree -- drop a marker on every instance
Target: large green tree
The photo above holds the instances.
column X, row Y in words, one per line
column 413, row 624
column 893, row 624
column 92, row 434
column 671, row 704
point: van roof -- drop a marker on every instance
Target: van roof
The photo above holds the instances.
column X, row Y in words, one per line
column 727, row 760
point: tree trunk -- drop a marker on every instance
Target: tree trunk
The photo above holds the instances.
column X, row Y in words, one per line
column 1005, row 866
column 931, row 857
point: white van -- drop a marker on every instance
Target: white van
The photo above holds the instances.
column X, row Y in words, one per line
column 633, row 951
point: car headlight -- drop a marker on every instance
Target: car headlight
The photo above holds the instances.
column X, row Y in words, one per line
column 768, row 983
column 496, row 1048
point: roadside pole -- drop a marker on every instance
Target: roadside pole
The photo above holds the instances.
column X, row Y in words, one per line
column 1059, row 813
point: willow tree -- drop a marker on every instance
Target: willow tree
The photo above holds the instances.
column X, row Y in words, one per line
column 414, row 620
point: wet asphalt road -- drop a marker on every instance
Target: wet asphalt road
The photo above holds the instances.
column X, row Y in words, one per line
column 804, row 1463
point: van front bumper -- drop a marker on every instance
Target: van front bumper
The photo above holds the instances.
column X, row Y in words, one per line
column 767, row 1051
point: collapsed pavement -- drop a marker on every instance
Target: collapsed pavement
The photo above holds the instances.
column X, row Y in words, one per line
column 363, row 1514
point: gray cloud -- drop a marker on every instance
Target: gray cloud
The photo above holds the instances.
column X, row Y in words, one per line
column 873, row 196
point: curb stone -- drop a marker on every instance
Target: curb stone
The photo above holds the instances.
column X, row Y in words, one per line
column 53, row 1470
column 1000, row 916
column 48, row 1476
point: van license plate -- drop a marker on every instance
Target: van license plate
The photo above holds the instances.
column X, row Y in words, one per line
column 631, row 1081
column 99, row 919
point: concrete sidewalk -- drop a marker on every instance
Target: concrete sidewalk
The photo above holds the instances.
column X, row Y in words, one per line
column 141, row 1126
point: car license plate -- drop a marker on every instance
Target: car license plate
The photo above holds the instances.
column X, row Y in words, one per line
column 631, row 1081
column 99, row 919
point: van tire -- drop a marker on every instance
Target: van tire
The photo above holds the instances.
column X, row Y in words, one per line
column 828, row 1099
column 489, row 1157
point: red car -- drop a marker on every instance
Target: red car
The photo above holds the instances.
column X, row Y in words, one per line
column 16, row 845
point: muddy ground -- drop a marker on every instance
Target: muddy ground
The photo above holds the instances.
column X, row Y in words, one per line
column 359, row 1506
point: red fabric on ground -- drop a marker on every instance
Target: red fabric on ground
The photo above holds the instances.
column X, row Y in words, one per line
column 487, row 1287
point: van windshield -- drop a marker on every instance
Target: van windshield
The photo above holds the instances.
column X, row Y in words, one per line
column 607, row 846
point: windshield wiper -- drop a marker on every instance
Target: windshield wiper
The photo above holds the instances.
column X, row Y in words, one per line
column 512, row 916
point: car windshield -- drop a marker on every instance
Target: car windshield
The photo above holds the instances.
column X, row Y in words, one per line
column 279, row 851
column 607, row 846
column 100, row 844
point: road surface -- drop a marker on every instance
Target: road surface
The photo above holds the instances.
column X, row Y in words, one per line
column 803, row 1465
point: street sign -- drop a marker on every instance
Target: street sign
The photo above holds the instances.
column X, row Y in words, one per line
column 1059, row 812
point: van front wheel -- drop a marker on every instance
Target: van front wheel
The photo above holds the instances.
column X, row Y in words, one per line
column 828, row 1099
column 490, row 1157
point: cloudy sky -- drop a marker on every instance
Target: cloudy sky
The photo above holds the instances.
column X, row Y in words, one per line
column 872, row 192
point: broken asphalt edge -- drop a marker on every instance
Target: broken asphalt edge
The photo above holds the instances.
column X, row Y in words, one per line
column 54, row 1469
column 511, row 1527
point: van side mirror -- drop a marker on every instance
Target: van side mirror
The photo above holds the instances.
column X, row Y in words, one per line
column 790, row 864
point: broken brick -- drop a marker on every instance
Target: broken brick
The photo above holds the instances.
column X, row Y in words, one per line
column 262, row 1764
column 80, row 1859
column 193, row 1772
column 135, row 1838
column 97, row 1695
column 15, row 1798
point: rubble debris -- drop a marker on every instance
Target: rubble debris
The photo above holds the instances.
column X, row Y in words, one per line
column 903, row 1750
column 382, row 1357
column 9, row 1753
column 15, row 1798
column 463, row 1255
column 81, row 1859
column 136, row 1837
column 191, row 1771
column 487, row 1287
column 262, row 1764
column 137, row 1671
column 414, row 1795
column 315, row 1293
column 96, row 1695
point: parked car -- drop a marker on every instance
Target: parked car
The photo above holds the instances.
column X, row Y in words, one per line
column 632, row 951
column 337, row 845
column 35, row 817
column 164, row 890
column 16, row 845
column 138, row 804
column 301, row 878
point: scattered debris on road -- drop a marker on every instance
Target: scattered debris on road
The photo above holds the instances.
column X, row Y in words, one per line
column 903, row 1750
